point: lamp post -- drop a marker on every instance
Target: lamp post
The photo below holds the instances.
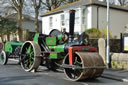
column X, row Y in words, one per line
column 108, row 26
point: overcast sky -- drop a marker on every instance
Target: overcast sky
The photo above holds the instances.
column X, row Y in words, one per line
column 28, row 8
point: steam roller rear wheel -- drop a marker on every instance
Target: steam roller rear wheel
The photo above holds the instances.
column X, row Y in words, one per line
column 3, row 58
column 30, row 59
column 84, row 59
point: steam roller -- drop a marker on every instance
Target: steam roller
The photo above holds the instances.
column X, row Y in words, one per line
column 10, row 49
column 62, row 49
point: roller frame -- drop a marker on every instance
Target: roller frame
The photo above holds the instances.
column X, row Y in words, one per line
column 72, row 50
column 82, row 68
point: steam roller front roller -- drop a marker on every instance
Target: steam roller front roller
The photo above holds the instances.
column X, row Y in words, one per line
column 30, row 59
column 85, row 60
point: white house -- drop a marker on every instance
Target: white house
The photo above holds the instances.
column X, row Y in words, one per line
column 89, row 14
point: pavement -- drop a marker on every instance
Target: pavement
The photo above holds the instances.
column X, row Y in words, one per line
column 116, row 74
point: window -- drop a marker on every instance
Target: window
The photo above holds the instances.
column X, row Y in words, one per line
column 77, row 17
column 84, row 16
column 62, row 20
column 51, row 22
column 67, row 17
column 67, row 21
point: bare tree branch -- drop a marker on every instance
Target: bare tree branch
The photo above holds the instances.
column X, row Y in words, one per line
column 37, row 5
column 18, row 4
column 15, row 3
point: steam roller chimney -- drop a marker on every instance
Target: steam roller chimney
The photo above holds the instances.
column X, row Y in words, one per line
column 71, row 25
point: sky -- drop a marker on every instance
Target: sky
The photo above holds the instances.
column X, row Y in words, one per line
column 28, row 9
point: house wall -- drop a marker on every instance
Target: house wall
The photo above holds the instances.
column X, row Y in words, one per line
column 81, row 27
column 95, row 18
column 56, row 24
column 78, row 22
column 30, row 25
column 118, row 20
column 89, row 17
column 86, row 13
column 40, row 26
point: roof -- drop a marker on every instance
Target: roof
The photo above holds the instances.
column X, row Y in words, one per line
column 24, row 17
column 104, row 4
column 66, row 6
column 82, row 3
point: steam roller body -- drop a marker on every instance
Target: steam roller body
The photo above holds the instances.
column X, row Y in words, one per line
column 63, row 49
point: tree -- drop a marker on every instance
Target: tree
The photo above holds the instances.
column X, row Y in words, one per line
column 18, row 5
column 49, row 4
column 28, row 7
column 6, row 28
column 52, row 4
column 6, row 7
column 70, row 1
column 122, row 2
column 1, row 30
column 37, row 5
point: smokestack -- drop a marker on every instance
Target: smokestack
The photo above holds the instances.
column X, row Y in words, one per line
column 71, row 25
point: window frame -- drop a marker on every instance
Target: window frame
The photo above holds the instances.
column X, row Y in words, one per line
column 62, row 19
column 50, row 22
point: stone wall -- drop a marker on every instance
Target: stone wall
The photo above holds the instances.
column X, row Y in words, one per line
column 119, row 60
column 115, row 45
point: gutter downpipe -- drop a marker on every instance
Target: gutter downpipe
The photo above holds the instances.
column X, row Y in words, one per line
column 98, row 17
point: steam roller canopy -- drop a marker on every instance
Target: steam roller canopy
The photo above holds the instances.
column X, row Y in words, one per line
column 84, row 59
column 54, row 33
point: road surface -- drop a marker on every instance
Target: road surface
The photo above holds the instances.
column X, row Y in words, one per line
column 13, row 74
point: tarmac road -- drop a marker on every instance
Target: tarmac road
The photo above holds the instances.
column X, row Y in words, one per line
column 13, row 74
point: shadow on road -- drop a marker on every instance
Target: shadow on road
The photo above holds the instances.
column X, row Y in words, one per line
column 44, row 69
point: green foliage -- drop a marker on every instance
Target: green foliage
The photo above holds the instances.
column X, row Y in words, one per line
column 7, row 27
column 96, row 33
column 104, row 32
column 93, row 32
